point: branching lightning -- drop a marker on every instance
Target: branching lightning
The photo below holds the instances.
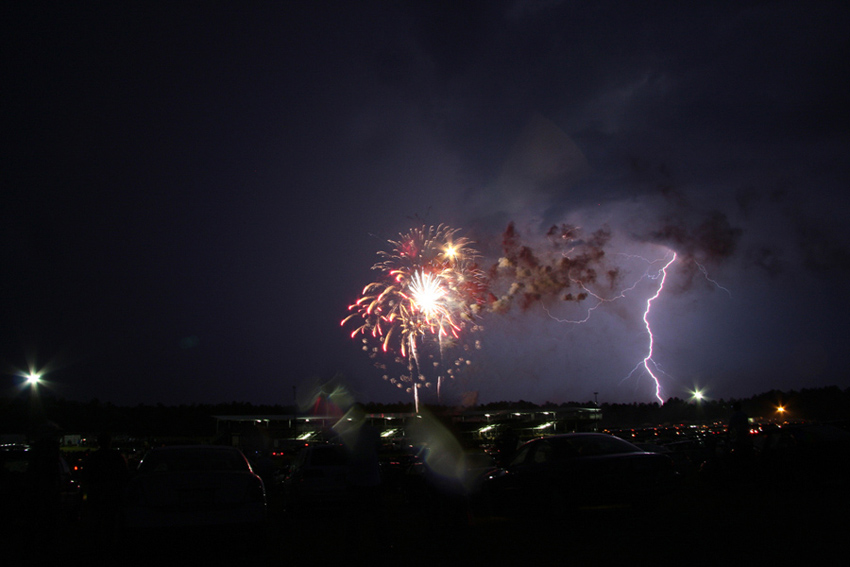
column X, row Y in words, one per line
column 708, row 279
column 651, row 367
column 648, row 363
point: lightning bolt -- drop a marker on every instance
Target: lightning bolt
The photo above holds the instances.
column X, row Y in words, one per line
column 647, row 361
column 661, row 276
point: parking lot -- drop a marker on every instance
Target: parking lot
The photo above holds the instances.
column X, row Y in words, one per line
column 779, row 523
column 784, row 507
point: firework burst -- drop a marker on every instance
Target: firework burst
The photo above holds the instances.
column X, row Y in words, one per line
column 429, row 290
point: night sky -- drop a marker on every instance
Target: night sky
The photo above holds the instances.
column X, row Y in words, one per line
column 192, row 196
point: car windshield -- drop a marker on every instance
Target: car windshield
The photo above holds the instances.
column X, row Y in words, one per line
column 201, row 459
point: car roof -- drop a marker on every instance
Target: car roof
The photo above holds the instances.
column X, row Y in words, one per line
column 186, row 457
column 612, row 443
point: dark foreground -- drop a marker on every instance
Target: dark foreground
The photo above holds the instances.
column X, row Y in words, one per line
column 730, row 522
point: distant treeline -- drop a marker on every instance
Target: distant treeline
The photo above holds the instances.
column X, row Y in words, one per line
column 19, row 414
column 829, row 403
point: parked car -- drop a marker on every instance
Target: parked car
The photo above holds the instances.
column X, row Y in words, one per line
column 318, row 477
column 805, row 452
column 687, row 454
column 32, row 485
column 194, row 486
column 551, row 474
column 461, row 475
column 440, row 485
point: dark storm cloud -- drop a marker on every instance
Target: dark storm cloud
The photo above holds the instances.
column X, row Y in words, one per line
column 823, row 253
column 693, row 131
column 766, row 259
column 712, row 238
column 220, row 177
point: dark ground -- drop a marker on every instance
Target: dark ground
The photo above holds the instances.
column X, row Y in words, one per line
column 790, row 519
